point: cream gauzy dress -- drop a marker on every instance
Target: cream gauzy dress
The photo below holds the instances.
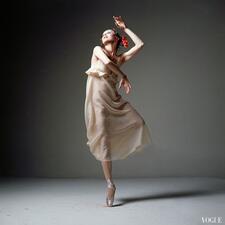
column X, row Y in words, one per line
column 114, row 128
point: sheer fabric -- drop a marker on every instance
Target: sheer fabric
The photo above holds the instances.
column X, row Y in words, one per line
column 114, row 128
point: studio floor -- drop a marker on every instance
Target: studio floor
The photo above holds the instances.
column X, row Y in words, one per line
column 138, row 201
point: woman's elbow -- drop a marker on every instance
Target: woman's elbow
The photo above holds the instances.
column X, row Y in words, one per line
column 141, row 44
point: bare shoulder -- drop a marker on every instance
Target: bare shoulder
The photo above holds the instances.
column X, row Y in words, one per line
column 94, row 57
column 97, row 48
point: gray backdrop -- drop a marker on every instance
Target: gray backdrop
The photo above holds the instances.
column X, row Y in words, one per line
column 178, row 86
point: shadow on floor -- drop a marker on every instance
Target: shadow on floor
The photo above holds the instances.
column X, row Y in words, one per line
column 177, row 194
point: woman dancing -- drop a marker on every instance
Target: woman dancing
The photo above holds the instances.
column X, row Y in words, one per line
column 115, row 129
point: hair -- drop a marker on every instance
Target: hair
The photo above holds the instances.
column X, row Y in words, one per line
column 119, row 43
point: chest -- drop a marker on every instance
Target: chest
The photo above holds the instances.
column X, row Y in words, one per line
column 98, row 64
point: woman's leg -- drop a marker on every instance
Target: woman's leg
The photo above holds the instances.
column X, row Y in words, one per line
column 107, row 169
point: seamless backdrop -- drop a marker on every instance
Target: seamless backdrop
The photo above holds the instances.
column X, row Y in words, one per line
column 178, row 86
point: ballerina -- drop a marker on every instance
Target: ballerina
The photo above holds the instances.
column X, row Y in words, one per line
column 115, row 129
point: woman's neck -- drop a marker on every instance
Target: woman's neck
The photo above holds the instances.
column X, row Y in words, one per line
column 110, row 49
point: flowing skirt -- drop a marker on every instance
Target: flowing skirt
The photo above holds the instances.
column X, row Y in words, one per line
column 114, row 128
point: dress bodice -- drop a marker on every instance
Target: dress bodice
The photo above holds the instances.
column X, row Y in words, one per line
column 98, row 69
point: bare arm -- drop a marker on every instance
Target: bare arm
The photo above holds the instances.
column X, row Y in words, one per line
column 135, row 49
column 98, row 52
column 138, row 43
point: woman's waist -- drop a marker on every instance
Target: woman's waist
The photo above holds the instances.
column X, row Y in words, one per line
column 99, row 73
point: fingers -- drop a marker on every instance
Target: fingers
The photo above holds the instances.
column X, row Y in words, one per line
column 116, row 24
column 129, row 85
column 114, row 17
column 117, row 18
column 128, row 90
column 126, row 85
column 120, row 84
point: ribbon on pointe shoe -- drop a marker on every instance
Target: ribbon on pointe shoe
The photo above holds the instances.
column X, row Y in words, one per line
column 110, row 183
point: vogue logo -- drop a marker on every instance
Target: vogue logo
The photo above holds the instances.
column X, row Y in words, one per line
column 212, row 219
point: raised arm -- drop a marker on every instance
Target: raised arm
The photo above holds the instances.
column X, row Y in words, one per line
column 98, row 52
column 135, row 49
column 138, row 43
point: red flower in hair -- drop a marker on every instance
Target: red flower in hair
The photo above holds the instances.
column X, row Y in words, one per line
column 124, row 41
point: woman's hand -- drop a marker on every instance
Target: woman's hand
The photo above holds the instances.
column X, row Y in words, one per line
column 119, row 22
column 126, row 84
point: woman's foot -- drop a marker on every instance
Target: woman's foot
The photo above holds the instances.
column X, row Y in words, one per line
column 111, row 188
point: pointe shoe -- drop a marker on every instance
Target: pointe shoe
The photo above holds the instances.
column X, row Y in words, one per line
column 111, row 188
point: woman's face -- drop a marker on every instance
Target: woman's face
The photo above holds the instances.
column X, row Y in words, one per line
column 108, row 36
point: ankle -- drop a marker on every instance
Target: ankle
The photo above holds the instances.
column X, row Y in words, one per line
column 110, row 182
